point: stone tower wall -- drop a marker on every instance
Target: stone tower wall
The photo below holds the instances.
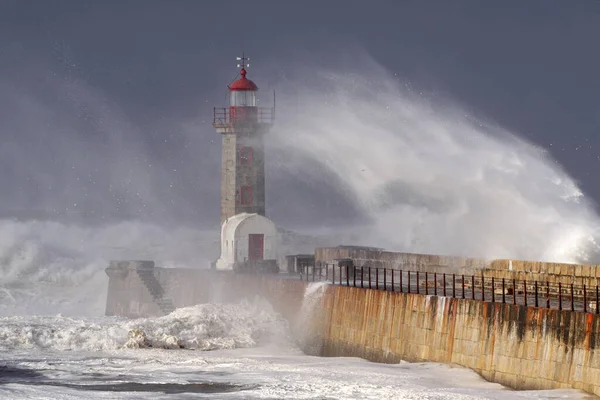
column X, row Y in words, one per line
column 235, row 175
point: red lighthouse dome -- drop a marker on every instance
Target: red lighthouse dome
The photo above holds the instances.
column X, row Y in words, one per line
column 242, row 93
column 243, row 83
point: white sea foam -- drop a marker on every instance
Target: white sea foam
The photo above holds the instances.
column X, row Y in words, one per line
column 201, row 327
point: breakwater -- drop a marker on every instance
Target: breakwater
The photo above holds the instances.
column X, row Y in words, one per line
column 518, row 346
column 521, row 346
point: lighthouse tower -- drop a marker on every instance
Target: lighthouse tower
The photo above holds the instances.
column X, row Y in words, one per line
column 248, row 239
column 242, row 126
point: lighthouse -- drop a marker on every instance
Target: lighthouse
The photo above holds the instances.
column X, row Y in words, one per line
column 248, row 239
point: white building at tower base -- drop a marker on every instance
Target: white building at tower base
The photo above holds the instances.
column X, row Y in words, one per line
column 247, row 237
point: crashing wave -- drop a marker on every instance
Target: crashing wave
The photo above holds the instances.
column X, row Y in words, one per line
column 201, row 327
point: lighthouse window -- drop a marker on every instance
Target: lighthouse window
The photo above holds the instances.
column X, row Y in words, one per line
column 246, row 195
column 246, row 155
column 242, row 98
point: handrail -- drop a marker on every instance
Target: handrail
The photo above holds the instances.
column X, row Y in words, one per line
column 226, row 116
column 531, row 293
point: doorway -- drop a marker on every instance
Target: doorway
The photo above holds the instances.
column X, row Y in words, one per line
column 256, row 246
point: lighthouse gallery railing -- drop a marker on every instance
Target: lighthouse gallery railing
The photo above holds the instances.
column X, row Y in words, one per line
column 231, row 115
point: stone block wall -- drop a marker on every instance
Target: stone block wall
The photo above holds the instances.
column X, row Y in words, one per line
column 128, row 295
column 521, row 347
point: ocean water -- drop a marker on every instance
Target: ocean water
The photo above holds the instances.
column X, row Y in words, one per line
column 243, row 351
column 68, row 350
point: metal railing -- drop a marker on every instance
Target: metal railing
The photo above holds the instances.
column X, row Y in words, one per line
column 225, row 115
column 507, row 291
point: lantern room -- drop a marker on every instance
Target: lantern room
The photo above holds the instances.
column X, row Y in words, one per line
column 242, row 93
column 243, row 107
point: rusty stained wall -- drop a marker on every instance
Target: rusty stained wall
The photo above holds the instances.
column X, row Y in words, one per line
column 521, row 347
column 577, row 274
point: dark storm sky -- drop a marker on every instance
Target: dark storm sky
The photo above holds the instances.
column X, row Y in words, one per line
column 67, row 68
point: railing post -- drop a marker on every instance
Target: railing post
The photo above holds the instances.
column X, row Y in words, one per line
column 525, row 291
column 463, row 285
column 401, row 289
column 503, row 292
column 597, row 300
column 572, row 303
column 369, row 277
column 362, row 275
column 408, row 279
column 514, row 291
column 392, row 279
column 435, row 283
column 332, row 274
column 385, row 279
column 559, row 296
column 547, row 294
column 584, row 300
column 313, row 273
column 354, row 274
column 453, row 286
column 493, row 291
column 536, row 294
column 341, row 275
column 426, row 281
column 482, row 287
column 376, row 278
column 444, row 283
column 347, row 275
column 473, row 287
column 418, row 288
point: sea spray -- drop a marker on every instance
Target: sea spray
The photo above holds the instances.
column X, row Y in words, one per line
column 308, row 322
column 50, row 267
column 410, row 174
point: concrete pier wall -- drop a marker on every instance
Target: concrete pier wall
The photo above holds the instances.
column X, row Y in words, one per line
column 131, row 293
column 521, row 347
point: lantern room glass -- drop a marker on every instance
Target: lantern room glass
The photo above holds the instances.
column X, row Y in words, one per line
column 242, row 98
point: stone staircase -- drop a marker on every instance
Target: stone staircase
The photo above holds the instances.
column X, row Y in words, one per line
column 164, row 303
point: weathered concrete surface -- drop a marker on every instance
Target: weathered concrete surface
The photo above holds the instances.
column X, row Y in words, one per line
column 128, row 295
column 521, row 347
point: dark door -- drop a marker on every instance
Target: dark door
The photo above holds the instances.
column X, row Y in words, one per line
column 256, row 242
